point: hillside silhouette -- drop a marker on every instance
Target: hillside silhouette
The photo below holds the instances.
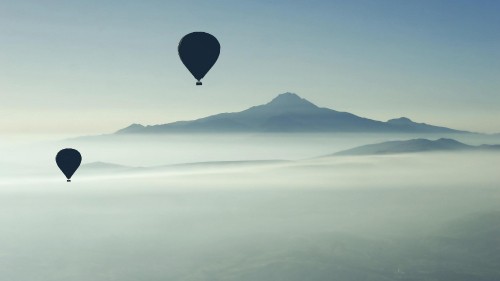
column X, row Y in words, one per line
column 414, row 146
column 288, row 112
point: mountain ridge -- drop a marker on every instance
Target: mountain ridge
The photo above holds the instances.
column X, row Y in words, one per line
column 414, row 146
column 288, row 112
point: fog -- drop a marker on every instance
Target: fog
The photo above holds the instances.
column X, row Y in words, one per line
column 177, row 210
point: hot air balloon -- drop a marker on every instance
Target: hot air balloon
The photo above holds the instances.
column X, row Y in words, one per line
column 198, row 52
column 68, row 160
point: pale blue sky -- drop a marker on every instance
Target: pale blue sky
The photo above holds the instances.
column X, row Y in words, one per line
column 85, row 67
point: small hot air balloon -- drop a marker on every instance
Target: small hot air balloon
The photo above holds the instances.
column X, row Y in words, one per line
column 198, row 52
column 68, row 160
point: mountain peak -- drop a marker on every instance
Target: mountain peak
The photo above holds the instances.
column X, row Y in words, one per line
column 288, row 95
column 290, row 100
column 132, row 128
column 400, row 120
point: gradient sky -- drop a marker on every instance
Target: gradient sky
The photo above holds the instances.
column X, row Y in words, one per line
column 87, row 67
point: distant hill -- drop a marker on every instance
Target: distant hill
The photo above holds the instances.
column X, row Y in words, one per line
column 414, row 145
column 104, row 167
column 288, row 113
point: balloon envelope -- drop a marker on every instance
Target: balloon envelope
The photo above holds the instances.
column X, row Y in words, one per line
column 198, row 52
column 68, row 160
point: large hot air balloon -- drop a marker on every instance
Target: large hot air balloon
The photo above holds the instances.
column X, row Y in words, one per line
column 68, row 160
column 198, row 52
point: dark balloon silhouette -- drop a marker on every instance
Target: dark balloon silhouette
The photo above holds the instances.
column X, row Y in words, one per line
column 198, row 52
column 68, row 160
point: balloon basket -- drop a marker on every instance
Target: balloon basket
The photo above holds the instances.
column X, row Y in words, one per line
column 198, row 83
column 68, row 180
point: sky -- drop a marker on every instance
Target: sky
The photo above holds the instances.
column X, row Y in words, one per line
column 92, row 67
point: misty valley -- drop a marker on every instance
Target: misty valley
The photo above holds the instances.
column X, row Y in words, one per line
column 253, row 207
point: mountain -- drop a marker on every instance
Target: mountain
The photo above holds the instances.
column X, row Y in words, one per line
column 414, row 145
column 288, row 113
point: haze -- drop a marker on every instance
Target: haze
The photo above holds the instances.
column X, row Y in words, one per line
column 422, row 216
column 257, row 206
